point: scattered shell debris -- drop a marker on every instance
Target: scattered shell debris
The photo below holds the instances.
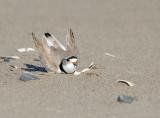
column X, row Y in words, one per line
column 10, row 57
column 109, row 54
column 125, row 99
column 129, row 83
column 92, row 66
column 26, row 50
column 7, row 59
column 14, row 66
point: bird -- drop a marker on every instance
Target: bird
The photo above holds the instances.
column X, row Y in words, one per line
column 54, row 56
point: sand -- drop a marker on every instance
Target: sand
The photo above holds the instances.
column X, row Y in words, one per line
column 127, row 29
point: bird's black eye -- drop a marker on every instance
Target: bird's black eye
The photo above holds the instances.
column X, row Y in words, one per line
column 67, row 59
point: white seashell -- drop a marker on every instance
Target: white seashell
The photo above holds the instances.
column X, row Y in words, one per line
column 25, row 50
column 83, row 71
column 14, row 57
column 77, row 73
column 30, row 49
column 108, row 54
column 14, row 66
column 21, row 50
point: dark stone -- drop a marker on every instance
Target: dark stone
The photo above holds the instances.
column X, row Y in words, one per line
column 125, row 99
column 27, row 77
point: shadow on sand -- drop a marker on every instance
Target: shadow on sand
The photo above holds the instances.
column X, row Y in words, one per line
column 34, row 68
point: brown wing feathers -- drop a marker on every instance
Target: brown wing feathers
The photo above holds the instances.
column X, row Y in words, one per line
column 37, row 42
column 44, row 54
column 72, row 40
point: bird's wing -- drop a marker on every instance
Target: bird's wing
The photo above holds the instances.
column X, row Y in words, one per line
column 52, row 41
column 71, row 44
column 50, row 56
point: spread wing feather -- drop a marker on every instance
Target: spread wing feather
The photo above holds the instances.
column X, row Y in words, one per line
column 70, row 43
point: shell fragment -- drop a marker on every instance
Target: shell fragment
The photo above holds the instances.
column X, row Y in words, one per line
column 25, row 50
column 14, row 66
column 7, row 59
column 10, row 57
column 129, row 83
column 109, row 54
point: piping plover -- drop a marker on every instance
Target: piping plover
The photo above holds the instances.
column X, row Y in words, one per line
column 56, row 57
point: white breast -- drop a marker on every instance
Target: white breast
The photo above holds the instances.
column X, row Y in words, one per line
column 69, row 68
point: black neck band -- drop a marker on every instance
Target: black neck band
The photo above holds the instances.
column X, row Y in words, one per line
column 61, row 68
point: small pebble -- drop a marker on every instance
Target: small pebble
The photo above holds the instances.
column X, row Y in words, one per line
column 125, row 99
column 27, row 77
column 7, row 60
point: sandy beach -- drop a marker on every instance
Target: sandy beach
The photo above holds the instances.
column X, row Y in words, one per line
column 126, row 29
